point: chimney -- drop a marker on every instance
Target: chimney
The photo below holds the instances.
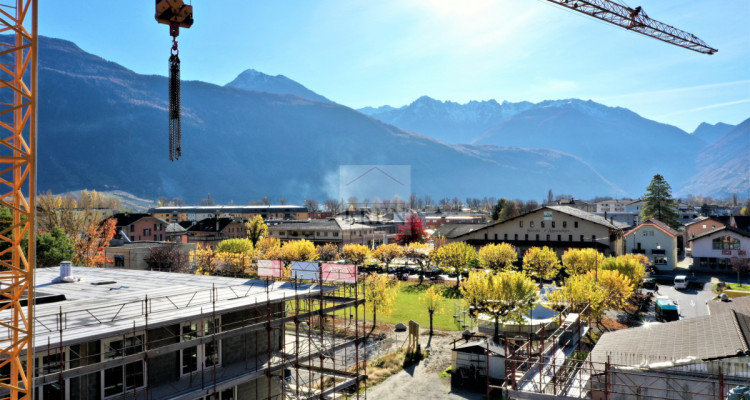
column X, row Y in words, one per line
column 65, row 269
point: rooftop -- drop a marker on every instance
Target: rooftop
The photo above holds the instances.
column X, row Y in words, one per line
column 705, row 338
column 455, row 230
column 655, row 222
column 327, row 224
column 226, row 209
column 722, row 229
column 106, row 302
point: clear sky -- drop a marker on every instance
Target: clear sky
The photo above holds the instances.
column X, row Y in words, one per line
column 370, row 53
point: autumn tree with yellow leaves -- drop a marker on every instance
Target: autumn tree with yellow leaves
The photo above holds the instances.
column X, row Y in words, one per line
column 432, row 299
column 380, row 294
column 602, row 290
column 581, row 261
column 456, row 257
column 269, row 248
column 497, row 256
column 256, row 229
column 356, row 254
column 386, row 253
column 504, row 296
column 630, row 267
column 541, row 263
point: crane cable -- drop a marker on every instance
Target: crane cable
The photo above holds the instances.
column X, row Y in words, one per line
column 175, row 126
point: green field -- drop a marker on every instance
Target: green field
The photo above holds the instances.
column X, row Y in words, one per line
column 409, row 307
column 737, row 286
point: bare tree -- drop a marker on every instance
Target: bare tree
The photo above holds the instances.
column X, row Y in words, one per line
column 312, row 205
column 741, row 265
column 167, row 258
column 208, row 201
column 282, row 201
column 177, row 202
column 333, row 206
column 413, row 201
column 266, row 201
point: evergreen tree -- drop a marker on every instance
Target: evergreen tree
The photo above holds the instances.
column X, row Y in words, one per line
column 53, row 247
column 659, row 203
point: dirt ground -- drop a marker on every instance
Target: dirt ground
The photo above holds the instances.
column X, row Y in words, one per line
column 422, row 381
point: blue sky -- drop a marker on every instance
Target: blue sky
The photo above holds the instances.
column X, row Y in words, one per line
column 367, row 53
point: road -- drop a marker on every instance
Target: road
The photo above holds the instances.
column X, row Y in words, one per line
column 691, row 302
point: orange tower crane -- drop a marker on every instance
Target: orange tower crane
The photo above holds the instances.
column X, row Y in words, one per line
column 18, row 79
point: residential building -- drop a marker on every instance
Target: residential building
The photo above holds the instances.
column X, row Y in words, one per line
column 612, row 206
column 126, row 334
column 656, row 240
column 136, row 227
column 703, row 225
column 322, row 231
column 197, row 213
column 176, row 233
column 133, row 255
column 575, row 203
column 558, row 227
column 211, row 231
column 714, row 249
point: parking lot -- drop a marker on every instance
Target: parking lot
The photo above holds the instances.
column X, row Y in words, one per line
column 692, row 301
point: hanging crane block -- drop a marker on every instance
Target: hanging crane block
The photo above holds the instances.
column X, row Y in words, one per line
column 172, row 12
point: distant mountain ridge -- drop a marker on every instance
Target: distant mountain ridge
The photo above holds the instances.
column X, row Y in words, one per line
column 104, row 127
column 710, row 133
column 724, row 165
column 446, row 120
column 622, row 146
column 254, row 80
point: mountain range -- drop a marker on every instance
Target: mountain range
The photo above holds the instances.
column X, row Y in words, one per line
column 622, row 146
column 104, row 127
column 257, row 81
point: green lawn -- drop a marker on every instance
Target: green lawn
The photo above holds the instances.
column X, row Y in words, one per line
column 409, row 307
column 737, row 286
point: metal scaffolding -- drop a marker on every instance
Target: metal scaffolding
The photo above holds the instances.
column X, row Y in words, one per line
column 308, row 345
column 557, row 366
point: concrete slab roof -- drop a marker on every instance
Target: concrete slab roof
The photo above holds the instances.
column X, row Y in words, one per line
column 106, row 302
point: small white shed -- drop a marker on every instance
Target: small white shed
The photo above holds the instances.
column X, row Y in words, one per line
column 471, row 356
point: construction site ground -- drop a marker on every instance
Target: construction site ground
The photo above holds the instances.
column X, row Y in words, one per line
column 422, row 380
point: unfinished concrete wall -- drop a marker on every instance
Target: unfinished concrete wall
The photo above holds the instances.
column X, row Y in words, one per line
column 87, row 387
column 258, row 389
column 164, row 368
column 245, row 347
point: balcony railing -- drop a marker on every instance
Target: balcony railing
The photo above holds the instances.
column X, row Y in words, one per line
column 638, row 251
column 658, row 251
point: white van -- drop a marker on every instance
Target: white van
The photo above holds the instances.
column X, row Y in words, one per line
column 680, row 282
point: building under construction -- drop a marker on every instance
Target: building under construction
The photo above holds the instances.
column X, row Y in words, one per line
column 112, row 333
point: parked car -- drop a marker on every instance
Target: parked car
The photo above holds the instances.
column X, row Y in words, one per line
column 666, row 309
column 681, row 282
column 649, row 283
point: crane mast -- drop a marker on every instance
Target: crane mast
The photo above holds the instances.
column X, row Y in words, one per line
column 635, row 19
column 18, row 82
